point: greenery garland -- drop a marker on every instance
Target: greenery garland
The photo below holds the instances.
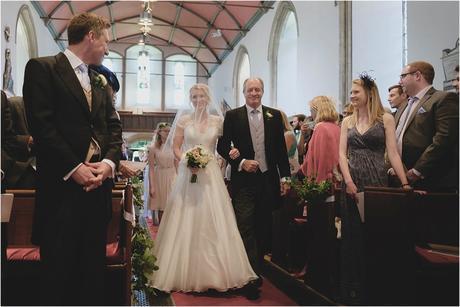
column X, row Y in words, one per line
column 311, row 191
column 143, row 260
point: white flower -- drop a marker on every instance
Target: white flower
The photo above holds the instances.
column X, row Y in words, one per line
column 101, row 81
column 269, row 115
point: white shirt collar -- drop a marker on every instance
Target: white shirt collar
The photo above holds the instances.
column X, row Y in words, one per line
column 74, row 60
column 423, row 92
column 249, row 109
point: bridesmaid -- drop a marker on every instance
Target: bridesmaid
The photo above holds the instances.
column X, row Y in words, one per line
column 161, row 170
column 364, row 137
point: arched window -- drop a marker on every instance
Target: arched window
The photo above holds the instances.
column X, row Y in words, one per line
column 114, row 62
column 241, row 72
column 283, row 57
column 143, row 78
column 26, row 46
column 180, row 75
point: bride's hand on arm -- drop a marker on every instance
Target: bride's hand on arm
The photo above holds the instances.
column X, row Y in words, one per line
column 234, row 153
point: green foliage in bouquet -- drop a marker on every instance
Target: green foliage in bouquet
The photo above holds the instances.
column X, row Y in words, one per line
column 311, row 191
column 143, row 260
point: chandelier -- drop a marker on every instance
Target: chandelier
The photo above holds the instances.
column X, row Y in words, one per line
column 145, row 21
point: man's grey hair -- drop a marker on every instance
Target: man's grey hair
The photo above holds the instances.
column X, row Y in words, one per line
column 253, row 78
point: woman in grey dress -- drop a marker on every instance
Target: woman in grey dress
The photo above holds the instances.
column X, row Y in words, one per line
column 364, row 137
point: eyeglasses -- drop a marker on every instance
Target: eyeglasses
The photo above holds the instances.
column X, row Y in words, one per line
column 402, row 76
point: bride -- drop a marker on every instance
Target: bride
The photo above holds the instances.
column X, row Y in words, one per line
column 198, row 245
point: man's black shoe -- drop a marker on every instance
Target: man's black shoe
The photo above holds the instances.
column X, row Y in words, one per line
column 252, row 293
column 257, row 282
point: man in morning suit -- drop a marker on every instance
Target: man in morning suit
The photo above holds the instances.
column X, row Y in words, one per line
column 427, row 131
column 77, row 137
column 257, row 132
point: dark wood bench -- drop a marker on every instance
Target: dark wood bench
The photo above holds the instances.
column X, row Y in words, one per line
column 23, row 257
column 397, row 225
column 310, row 239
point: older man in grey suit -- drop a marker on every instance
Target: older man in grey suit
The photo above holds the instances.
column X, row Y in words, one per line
column 427, row 130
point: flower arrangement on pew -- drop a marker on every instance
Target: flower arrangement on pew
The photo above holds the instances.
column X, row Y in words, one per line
column 311, row 191
column 143, row 260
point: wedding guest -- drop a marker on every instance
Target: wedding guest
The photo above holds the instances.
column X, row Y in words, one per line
column 291, row 145
column 455, row 81
column 396, row 97
column 18, row 159
column 364, row 137
column 161, row 170
column 77, row 136
column 427, row 131
column 322, row 159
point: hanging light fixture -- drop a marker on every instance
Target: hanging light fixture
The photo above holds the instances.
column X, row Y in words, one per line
column 145, row 18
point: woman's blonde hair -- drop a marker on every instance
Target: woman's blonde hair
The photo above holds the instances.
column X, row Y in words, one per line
column 325, row 109
column 204, row 88
column 286, row 125
column 162, row 125
column 374, row 104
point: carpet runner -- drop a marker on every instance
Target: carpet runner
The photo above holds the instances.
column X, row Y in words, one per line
column 269, row 295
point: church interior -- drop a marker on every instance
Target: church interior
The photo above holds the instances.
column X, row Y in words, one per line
column 298, row 51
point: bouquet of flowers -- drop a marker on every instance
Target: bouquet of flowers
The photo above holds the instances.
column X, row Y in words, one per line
column 197, row 157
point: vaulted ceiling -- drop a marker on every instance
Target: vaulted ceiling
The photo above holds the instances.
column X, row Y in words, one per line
column 206, row 30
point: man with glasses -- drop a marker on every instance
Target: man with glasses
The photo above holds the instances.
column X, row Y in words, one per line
column 427, row 130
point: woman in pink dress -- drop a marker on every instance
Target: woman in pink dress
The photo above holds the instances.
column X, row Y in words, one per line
column 322, row 159
column 161, row 170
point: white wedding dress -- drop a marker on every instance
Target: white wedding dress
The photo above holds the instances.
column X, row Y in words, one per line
column 198, row 246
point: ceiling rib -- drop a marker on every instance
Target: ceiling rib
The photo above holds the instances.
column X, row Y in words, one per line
column 229, row 14
column 156, row 45
column 157, row 25
column 90, row 10
column 202, row 18
column 112, row 22
column 234, row 3
column 176, row 19
column 210, row 25
column 71, row 7
column 180, row 28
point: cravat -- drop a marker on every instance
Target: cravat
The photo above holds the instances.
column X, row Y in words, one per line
column 255, row 116
column 83, row 77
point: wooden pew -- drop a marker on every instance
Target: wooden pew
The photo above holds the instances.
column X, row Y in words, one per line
column 389, row 246
column 395, row 221
column 23, row 257
column 436, row 239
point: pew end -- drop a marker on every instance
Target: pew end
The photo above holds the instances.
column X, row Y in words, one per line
column 23, row 258
column 398, row 225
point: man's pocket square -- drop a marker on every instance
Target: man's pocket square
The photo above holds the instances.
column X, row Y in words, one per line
column 421, row 110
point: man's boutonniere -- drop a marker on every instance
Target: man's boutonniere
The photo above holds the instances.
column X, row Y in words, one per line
column 269, row 115
column 100, row 81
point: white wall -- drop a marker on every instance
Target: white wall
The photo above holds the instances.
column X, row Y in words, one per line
column 377, row 42
column 9, row 13
column 432, row 26
column 318, row 56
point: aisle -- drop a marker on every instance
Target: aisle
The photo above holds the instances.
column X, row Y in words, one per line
column 270, row 295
